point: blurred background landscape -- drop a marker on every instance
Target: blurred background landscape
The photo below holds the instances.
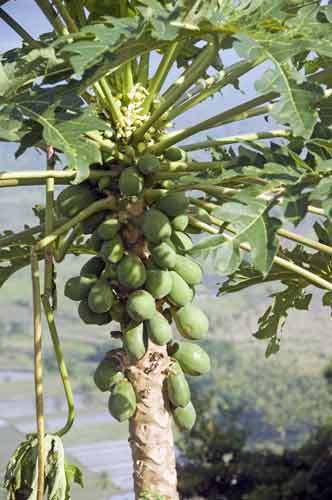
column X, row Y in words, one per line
column 263, row 430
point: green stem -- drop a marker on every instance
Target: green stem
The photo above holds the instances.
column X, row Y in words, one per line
column 26, row 234
column 128, row 79
column 290, row 266
column 65, row 245
column 38, row 175
column 115, row 111
column 65, row 14
column 143, row 69
column 241, row 112
column 107, row 203
column 61, row 366
column 14, row 25
column 198, row 68
column 160, row 75
column 196, row 166
column 38, row 373
column 231, row 74
column 236, row 139
column 77, row 10
column 302, row 240
column 52, row 16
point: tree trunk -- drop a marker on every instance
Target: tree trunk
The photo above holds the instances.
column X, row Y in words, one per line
column 151, row 436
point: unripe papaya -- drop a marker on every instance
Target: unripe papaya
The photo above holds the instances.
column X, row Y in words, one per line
column 177, row 386
column 158, row 283
column 159, row 329
column 148, row 164
column 131, row 182
column 131, row 272
column 175, row 154
column 118, row 311
column 191, row 322
column 107, row 374
column 91, row 318
column 173, row 204
column 164, row 256
column 112, row 250
column 95, row 266
column 94, row 242
column 141, row 305
column 180, row 293
column 101, row 297
column 188, row 269
column 109, row 228
column 181, row 241
column 78, row 288
column 191, row 357
column 185, row 418
column 180, row 222
column 104, row 182
column 73, row 199
column 156, row 226
column 90, row 224
column 122, row 401
column 133, row 340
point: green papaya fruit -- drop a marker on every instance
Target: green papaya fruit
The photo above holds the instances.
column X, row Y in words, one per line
column 141, row 305
column 177, row 386
column 159, row 329
column 181, row 241
column 90, row 224
column 112, row 250
column 109, row 228
column 158, row 283
column 131, row 272
column 191, row 322
column 156, row 226
column 148, row 164
column 189, row 270
column 131, row 182
column 180, row 222
column 175, row 154
column 191, row 357
column 101, row 297
column 78, row 288
column 122, row 401
column 94, row 242
column 133, row 340
column 181, row 293
column 73, row 199
column 118, row 311
column 185, row 418
column 91, row 318
column 173, row 204
column 95, row 266
column 104, row 182
column 107, row 374
column 163, row 256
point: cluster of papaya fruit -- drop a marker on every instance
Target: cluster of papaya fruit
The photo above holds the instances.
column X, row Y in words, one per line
column 142, row 277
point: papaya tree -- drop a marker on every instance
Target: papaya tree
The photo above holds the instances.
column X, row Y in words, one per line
column 149, row 203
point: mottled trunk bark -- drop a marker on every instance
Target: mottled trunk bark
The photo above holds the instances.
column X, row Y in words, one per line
column 151, row 436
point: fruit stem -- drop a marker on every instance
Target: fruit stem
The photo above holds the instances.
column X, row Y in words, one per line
column 291, row 266
column 106, row 203
column 160, row 76
column 63, row 246
column 38, row 369
column 236, row 139
column 61, row 367
column 188, row 77
column 14, row 25
column 241, row 112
